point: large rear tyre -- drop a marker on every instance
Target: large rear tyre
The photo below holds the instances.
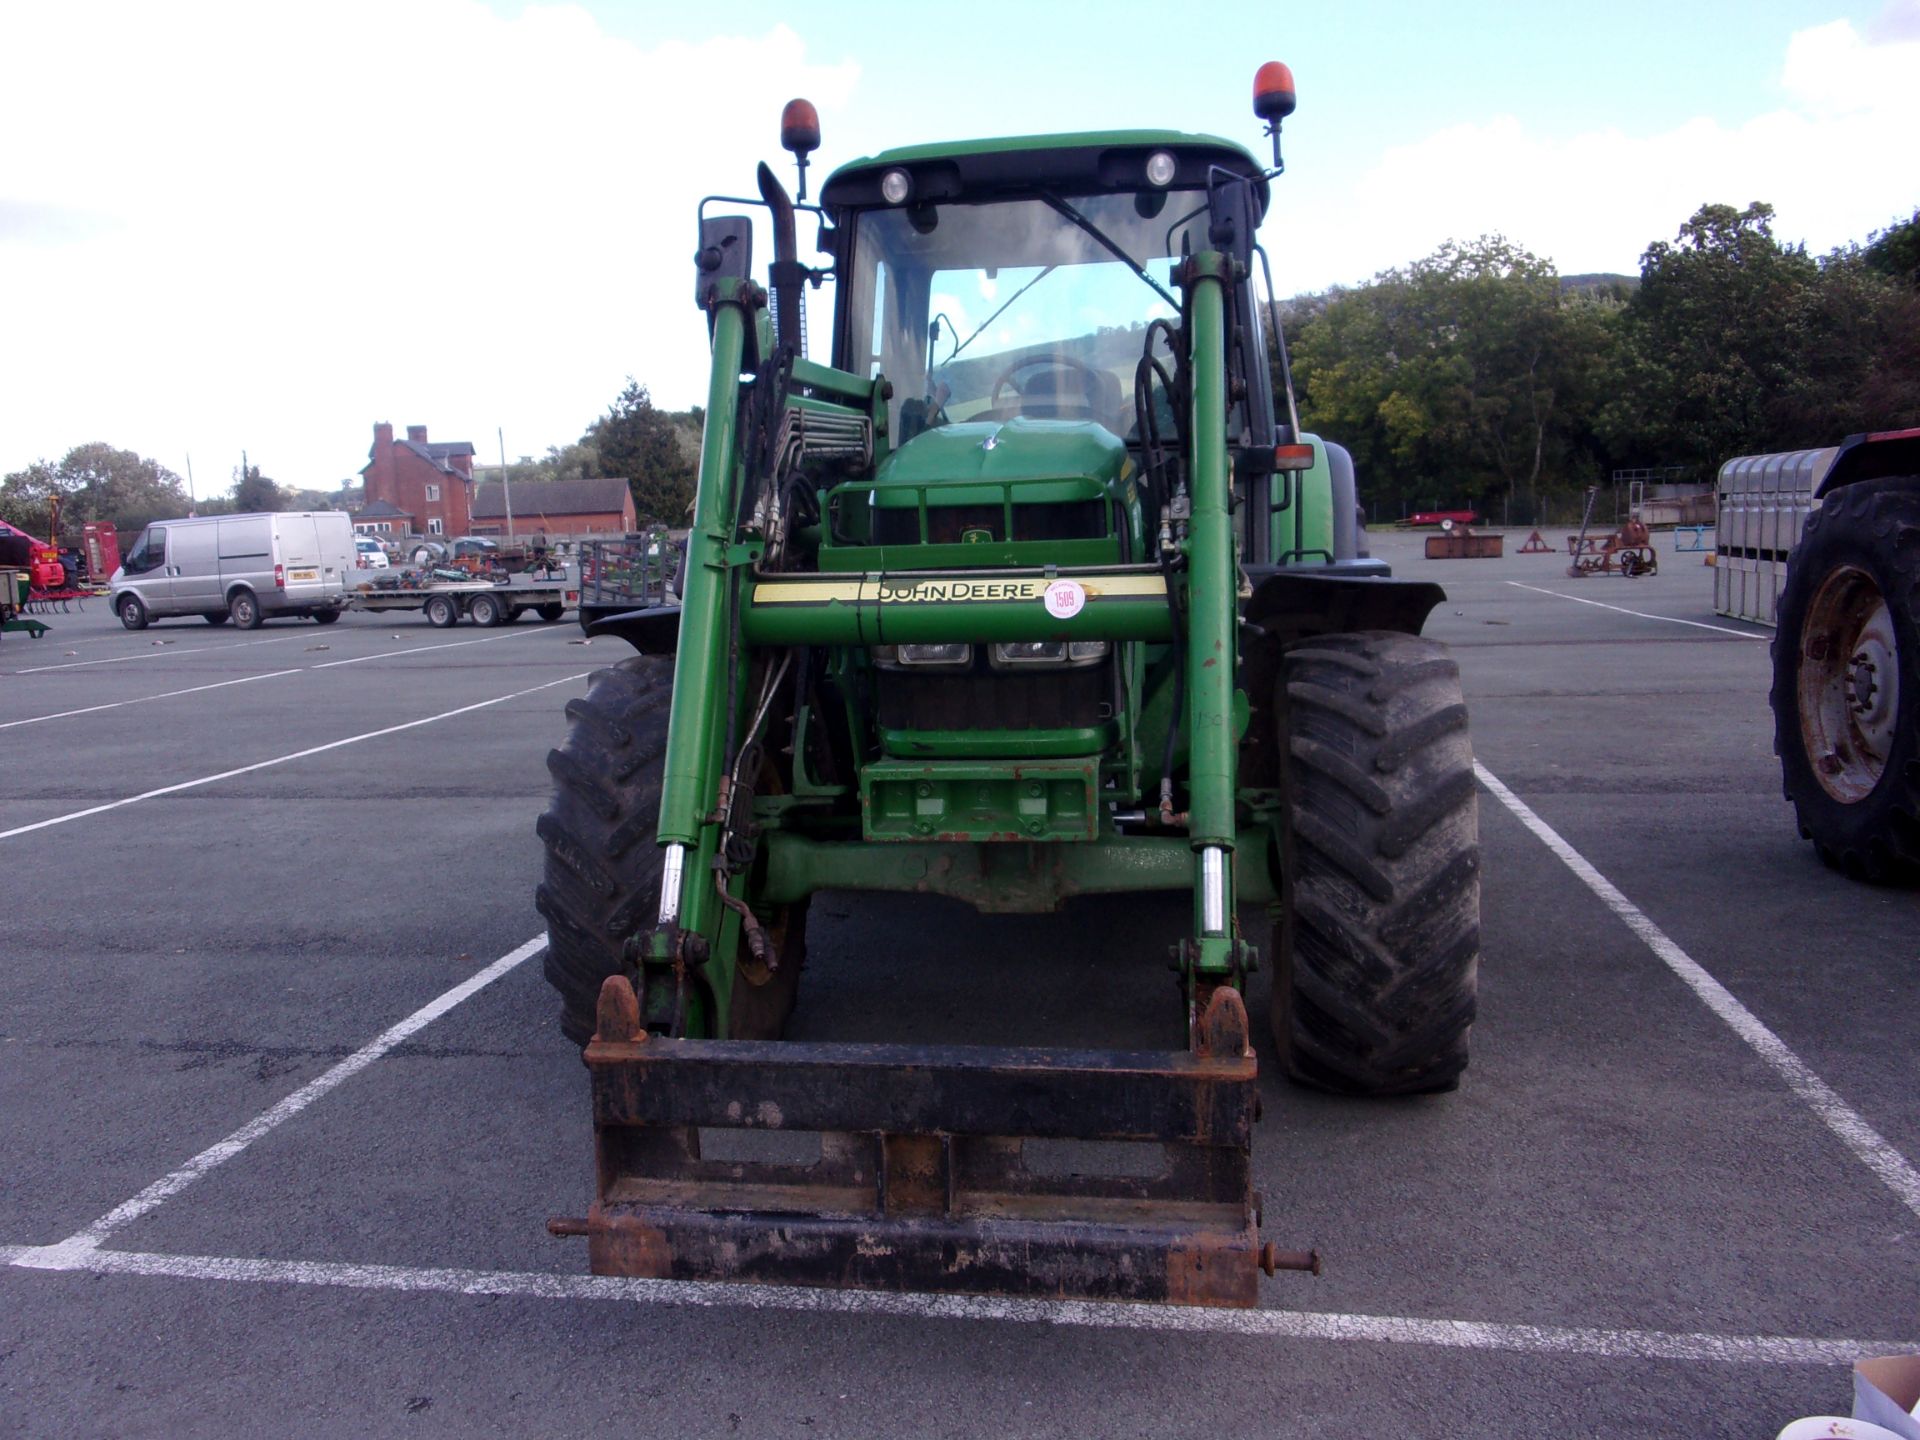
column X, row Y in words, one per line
column 1377, row 951
column 1846, row 680
column 602, row 879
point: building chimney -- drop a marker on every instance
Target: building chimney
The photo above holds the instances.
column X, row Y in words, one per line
column 417, row 434
column 382, row 434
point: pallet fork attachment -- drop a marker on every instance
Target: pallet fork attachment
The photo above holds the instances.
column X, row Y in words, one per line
column 933, row 1169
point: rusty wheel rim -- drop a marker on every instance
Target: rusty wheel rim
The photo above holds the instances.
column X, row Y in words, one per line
column 1849, row 688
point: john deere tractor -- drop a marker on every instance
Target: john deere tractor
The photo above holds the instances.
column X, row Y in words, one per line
column 1033, row 590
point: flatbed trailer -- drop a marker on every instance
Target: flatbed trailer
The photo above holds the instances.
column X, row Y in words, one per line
column 484, row 602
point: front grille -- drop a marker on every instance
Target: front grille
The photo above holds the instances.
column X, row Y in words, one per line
column 987, row 699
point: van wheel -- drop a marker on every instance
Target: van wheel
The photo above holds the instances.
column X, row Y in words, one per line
column 325, row 617
column 441, row 611
column 218, row 617
column 133, row 614
column 244, row 609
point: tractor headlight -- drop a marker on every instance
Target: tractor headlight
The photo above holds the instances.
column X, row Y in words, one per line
column 949, row 656
column 895, row 187
column 1160, row 169
column 1017, row 654
column 1030, row 652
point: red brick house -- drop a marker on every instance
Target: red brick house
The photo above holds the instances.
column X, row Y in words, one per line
column 429, row 485
column 555, row 507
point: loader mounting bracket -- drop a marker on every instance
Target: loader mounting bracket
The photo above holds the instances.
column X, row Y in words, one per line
column 1103, row 1175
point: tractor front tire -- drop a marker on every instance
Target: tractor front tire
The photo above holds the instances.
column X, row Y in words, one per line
column 1846, row 680
column 1377, row 950
column 602, row 880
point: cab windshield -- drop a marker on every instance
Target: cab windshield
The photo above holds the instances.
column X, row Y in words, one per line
column 1036, row 307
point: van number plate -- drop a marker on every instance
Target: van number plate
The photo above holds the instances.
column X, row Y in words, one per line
column 303, row 574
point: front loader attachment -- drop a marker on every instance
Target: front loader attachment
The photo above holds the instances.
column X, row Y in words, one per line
column 1079, row 1174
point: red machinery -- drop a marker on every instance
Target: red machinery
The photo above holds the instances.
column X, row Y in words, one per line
column 51, row 580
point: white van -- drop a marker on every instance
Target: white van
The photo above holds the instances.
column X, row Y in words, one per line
column 244, row 568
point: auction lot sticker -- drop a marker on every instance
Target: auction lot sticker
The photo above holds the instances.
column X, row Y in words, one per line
column 1065, row 599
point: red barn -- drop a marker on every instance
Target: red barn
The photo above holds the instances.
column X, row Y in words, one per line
column 428, row 483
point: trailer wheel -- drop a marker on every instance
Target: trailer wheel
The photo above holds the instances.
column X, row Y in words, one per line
column 1846, row 680
column 1377, row 950
column 442, row 612
column 325, row 617
column 485, row 611
column 549, row 613
column 243, row 607
column 602, row 878
column 133, row 614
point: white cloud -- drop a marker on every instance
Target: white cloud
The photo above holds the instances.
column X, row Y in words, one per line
column 229, row 225
column 1834, row 157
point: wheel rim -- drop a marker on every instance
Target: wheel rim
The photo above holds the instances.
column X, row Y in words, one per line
column 1849, row 688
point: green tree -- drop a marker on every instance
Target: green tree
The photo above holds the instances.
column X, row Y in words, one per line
column 1712, row 335
column 1895, row 252
column 1737, row 344
column 648, row 448
column 255, row 492
column 92, row 482
column 1465, row 376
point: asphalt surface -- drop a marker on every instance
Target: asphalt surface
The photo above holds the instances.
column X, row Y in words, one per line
column 1626, row 1222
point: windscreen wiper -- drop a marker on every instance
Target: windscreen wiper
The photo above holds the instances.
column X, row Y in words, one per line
column 1109, row 245
column 996, row 315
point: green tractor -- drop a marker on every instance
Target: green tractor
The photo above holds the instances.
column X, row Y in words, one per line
column 1035, row 591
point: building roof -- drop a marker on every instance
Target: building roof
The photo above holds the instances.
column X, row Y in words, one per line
column 436, row 451
column 382, row 509
column 533, row 498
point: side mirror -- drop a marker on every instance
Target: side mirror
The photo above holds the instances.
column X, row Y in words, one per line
column 725, row 253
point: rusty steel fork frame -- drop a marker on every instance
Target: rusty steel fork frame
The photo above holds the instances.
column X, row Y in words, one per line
column 922, row 1179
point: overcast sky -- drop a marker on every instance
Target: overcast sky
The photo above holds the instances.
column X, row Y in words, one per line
column 267, row 227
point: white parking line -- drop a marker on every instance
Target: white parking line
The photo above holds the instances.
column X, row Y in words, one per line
column 270, row 675
column 1852, row 1130
column 143, row 699
column 444, row 645
column 1247, row 1324
column 1637, row 614
column 213, row 1156
column 283, row 759
column 157, row 649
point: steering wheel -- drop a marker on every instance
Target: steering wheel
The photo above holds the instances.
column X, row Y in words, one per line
column 1088, row 377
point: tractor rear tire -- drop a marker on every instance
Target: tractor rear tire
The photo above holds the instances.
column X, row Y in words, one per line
column 1377, row 950
column 1846, row 680
column 603, row 864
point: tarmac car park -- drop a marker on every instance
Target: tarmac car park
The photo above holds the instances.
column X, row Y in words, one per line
column 282, row 1112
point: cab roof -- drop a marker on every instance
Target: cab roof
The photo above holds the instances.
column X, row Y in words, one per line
column 1094, row 160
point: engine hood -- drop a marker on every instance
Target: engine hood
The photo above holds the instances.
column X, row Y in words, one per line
column 1067, row 453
